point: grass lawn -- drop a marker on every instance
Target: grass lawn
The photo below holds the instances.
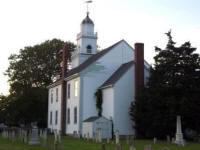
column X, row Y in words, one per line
column 77, row 144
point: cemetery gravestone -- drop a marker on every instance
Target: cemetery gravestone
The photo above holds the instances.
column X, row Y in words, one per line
column 168, row 138
column 127, row 139
column 154, row 140
column 99, row 135
column 179, row 135
column 116, row 137
column 103, row 147
column 147, row 147
column 34, row 140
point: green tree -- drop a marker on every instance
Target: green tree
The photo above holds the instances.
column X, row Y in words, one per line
column 29, row 72
column 173, row 89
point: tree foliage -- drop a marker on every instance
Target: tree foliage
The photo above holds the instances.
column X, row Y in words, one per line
column 173, row 89
column 99, row 101
column 29, row 72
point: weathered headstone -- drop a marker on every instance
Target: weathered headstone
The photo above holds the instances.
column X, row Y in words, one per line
column 44, row 136
column 127, row 139
column 132, row 140
column 59, row 136
column 88, row 136
column 93, row 137
column 118, row 146
column 168, row 138
column 165, row 148
column 132, row 147
column 108, row 140
column 13, row 136
column 40, row 132
column 96, row 137
column 173, row 140
column 103, row 147
column 99, row 135
column 179, row 135
column 116, row 137
column 147, row 147
column 154, row 140
column 25, row 136
column 34, row 140
column 55, row 140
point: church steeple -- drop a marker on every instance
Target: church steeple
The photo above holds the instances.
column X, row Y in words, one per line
column 86, row 42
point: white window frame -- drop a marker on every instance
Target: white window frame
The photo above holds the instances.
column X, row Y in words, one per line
column 76, row 88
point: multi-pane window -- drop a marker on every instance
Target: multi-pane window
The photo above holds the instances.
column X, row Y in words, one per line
column 76, row 88
column 68, row 116
column 68, row 91
column 75, row 115
column 56, row 94
column 51, row 118
column 51, row 96
column 56, row 117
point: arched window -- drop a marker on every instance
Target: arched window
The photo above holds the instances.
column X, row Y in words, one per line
column 89, row 49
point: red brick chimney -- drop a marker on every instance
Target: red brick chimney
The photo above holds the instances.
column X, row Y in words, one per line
column 139, row 68
column 64, row 90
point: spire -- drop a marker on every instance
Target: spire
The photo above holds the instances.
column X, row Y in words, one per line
column 87, row 20
column 88, row 2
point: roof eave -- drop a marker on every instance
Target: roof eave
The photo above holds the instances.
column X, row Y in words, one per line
column 71, row 77
column 107, row 86
column 54, row 84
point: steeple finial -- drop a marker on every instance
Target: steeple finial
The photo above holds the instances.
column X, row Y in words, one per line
column 87, row 2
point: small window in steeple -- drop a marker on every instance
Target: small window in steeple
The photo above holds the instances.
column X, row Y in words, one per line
column 89, row 49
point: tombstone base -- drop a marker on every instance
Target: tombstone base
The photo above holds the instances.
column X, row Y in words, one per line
column 34, row 142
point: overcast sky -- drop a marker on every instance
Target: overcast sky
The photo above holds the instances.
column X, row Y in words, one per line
column 29, row 22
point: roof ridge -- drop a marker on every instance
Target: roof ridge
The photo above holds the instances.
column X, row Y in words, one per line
column 91, row 59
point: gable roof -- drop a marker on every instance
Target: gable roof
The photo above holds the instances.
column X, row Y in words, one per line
column 90, row 60
column 85, row 64
column 91, row 119
column 117, row 74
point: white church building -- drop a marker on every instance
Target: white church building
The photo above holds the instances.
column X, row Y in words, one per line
column 119, row 71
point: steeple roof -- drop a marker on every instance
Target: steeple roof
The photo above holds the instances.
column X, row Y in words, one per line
column 87, row 20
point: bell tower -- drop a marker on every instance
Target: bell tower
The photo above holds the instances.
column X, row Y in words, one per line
column 86, row 42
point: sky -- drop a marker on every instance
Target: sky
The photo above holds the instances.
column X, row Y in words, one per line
column 29, row 22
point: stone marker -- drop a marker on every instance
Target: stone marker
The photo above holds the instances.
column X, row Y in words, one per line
column 118, row 146
column 96, row 137
column 132, row 140
column 34, row 140
column 132, row 147
column 108, row 140
column 116, row 137
column 154, row 140
column 25, row 136
column 173, row 140
column 127, row 140
column 147, row 147
column 165, row 148
column 88, row 136
column 93, row 137
column 41, row 133
column 59, row 136
column 44, row 136
column 103, row 147
column 168, row 138
column 56, row 140
column 99, row 135
column 179, row 135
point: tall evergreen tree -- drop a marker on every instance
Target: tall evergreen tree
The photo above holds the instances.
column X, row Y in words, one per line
column 173, row 89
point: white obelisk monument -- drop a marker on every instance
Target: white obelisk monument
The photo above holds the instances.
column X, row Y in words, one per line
column 179, row 135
